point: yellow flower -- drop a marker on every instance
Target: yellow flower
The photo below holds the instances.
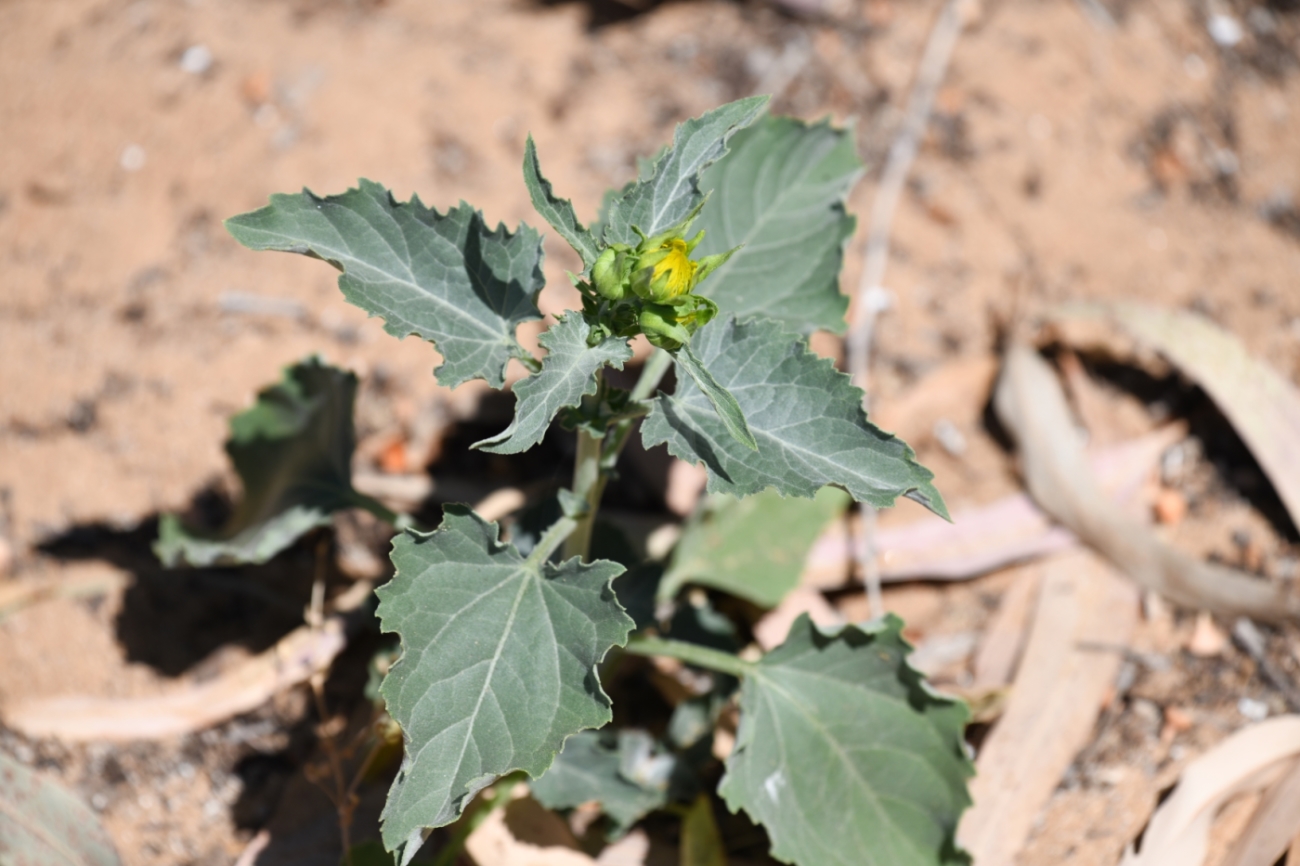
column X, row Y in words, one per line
column 679, row 269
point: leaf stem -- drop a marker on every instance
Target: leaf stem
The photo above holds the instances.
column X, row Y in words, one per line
column 561, row 531
column 692, row 654
column 383, row 512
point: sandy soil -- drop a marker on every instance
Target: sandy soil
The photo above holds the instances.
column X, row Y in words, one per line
column 1071, row 158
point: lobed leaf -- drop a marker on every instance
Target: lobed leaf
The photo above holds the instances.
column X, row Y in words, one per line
column 589, row 770
column 805, row 415
column 293, row 453
column 444, row 277
column 41, row 822
column 779, row 195
column 668, row 187
column 753, row 548
column 568, row 373
column 498, row 665
column 556, row 211
column 845, row 756
column 729, row 411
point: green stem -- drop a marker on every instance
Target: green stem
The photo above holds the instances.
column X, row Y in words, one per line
column 560, row 531
column 651, row 375
column 589, row 485
column 383, row 512
column 598, row 454
column 692, row 654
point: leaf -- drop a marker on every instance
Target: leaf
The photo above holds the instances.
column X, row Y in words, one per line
column 754, row 547
column 729, row 412
column 568, row 373
column 444, row 277
column 845, row 756
column 556, row 211
column 293, row 453
column 588, row 770
column 805, row 415
column 780, row 193
column 701, row 840
column 663, row 199
column 41, row 822
column 498, row 665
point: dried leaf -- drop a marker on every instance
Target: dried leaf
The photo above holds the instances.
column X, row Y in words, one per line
column 1032, row 407
column 1178, row 833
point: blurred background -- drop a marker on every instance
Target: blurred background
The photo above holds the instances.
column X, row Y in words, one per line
column 1075, row 150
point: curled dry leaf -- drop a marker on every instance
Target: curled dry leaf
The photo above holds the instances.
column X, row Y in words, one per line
column 194, row 707
column 1179, row 830
column 1031, row 405
column 1264, row 408
column 979, row 540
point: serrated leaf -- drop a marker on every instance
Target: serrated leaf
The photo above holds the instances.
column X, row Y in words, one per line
column 556, row 211
column 729, row 411
column 568, row 372
column 41, row 822
column 805, row 415
column 845, row 756
column 293, row 453
column 663, row 199
column 588, row 770
column 779, row 194
column 753, row 548
column 498, row 665
column 444, row 277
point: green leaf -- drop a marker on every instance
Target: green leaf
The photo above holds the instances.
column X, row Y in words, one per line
column 568, row 373
column 729, row 412
column 588, row 770
column 845, row 756
column 444, row 277
column 556, row 211
column 663, row 199
column 701, row 843
column 293, row 453
column 805, row 415
column 754, row 547
column 41, row 822
column 498, row 665
column 780, row 192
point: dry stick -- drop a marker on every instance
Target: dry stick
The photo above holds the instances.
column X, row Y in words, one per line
column 345, row 801
column 871, row 296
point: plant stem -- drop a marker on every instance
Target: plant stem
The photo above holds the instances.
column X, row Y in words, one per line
column 692, row 654
column 588, row 483
column 651, row 375
column 598, row 454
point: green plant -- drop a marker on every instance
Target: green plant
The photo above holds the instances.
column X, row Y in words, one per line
column 725, row 254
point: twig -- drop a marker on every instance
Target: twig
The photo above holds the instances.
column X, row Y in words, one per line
column 345, row 801
column 872, row 298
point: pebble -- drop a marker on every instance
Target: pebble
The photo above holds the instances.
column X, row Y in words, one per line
column 1255, row 711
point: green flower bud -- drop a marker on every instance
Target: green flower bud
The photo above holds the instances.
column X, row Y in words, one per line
column 659, row 324
column 607, row 276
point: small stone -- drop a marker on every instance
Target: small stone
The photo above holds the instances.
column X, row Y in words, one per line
column 1170, row 507
column 1177, row 719
column 1253, row 710
column 196, row 60
column 1207, row 639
